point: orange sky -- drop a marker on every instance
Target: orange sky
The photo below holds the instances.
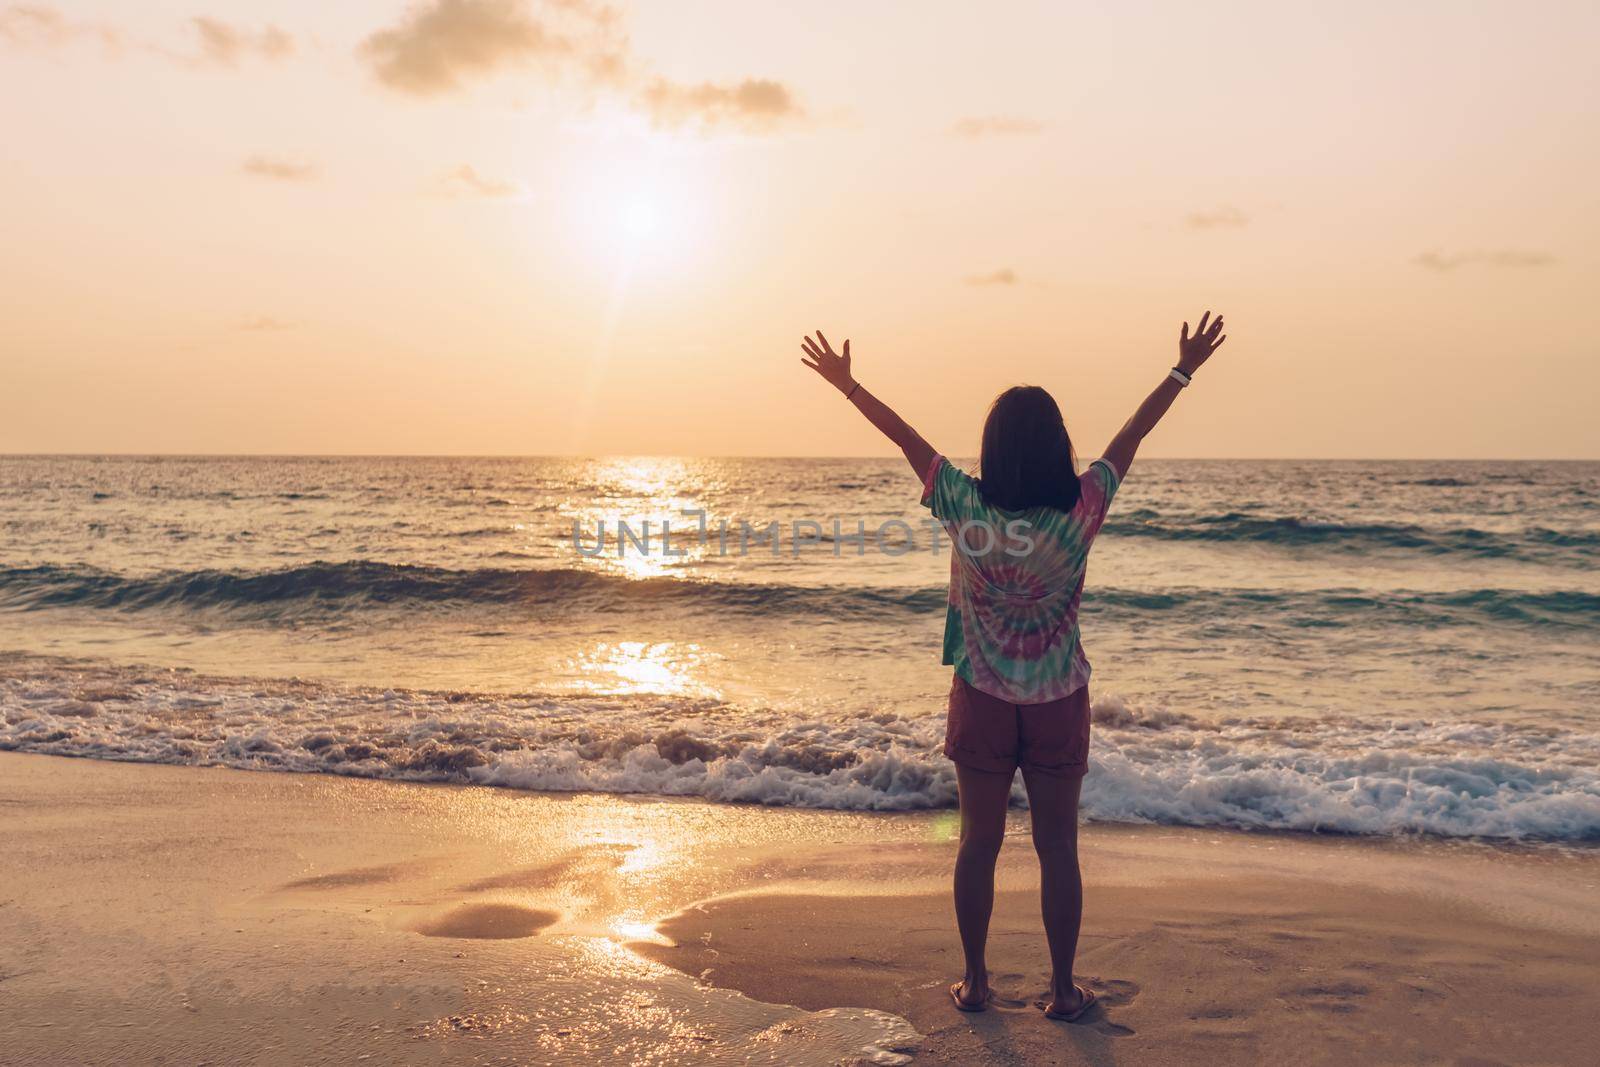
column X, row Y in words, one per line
column 490, row 226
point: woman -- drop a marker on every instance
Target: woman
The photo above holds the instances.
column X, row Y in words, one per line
column 1021, row 533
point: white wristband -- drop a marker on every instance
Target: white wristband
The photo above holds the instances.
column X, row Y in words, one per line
column 1178, row 376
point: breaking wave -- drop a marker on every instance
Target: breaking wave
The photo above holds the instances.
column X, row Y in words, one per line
column 322, row 588
column 1575, row 547
column 1150, row 765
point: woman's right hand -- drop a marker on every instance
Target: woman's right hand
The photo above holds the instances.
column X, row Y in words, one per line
column 1193, row 351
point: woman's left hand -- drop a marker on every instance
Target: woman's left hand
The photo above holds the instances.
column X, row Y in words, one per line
column 834, row 367
column 1194, row 351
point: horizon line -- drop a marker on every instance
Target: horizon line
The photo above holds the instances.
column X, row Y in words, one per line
column 730, row 455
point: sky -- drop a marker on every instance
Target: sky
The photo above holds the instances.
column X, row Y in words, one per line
column 513, row 227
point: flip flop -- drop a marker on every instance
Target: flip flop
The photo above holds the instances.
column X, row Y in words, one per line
column 982, row 1005
column 1077, row 1013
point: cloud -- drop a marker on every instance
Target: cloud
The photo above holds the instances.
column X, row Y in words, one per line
column 441, row 46
column 220, row 44
column 1003, row 276
column 995, row 126
column 225, row 45
column 263, row 324
column 279, row 170
column 37, row 26
column 1490, row 257
column 1222, row 218
column 755, row 103
column 465, row 181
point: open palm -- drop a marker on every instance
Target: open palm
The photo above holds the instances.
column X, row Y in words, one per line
column 1193, row 351
column 834, row 367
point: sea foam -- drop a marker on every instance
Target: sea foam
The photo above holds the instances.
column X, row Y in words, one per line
column 1149, row 764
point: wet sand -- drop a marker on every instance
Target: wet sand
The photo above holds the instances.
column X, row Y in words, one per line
column 1237, row 970
column 171, row 914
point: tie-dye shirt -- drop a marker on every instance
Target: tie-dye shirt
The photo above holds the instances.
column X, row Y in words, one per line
column 1011, row 628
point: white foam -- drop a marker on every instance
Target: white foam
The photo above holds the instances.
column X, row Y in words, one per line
column 1449, row 778
column 1149, row 764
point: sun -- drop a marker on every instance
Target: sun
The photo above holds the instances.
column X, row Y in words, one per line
column 638, row 218
column 644, row 226
column 638, row 208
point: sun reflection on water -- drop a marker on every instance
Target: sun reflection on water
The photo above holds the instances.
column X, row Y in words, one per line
column 650, row 495
column 637, row 930
column 665, row 668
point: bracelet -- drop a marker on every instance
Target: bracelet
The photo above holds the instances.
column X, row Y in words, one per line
column 852, row 391
column 1178, row 376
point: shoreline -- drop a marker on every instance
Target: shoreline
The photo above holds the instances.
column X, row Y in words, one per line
column 1456, row 779
column 156, row 910
column 1406, row 841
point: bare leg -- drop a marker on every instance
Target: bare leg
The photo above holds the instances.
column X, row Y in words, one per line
column 984, row 798
column 1053, row 807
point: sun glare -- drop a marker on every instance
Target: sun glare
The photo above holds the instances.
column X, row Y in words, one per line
column 638, row 207
column 639, row 219
column 638, row 226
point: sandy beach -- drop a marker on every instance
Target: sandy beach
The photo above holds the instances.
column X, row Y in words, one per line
column 170, row 914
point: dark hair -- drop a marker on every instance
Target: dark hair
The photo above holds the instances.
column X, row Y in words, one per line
column 1027, row 459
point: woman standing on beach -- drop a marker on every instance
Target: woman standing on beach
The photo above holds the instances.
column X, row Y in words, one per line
column 1019, row 698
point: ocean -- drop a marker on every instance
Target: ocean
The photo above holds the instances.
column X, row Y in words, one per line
column 1356, row 647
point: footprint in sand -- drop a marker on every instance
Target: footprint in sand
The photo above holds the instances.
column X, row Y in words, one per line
column 1336, row 997
column 1114, row 991
column 356, row 876
column 488, row 921
column 1216, row 1012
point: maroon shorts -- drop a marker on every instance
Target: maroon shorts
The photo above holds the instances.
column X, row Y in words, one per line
column 986, row 733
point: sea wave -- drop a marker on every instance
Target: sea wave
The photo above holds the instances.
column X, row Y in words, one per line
column 1574, row 547
column 363, row 583
column 1148, row 764
column 292, row 594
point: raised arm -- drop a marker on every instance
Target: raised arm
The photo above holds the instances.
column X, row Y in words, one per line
column 835, row 370
column 1192, row 352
